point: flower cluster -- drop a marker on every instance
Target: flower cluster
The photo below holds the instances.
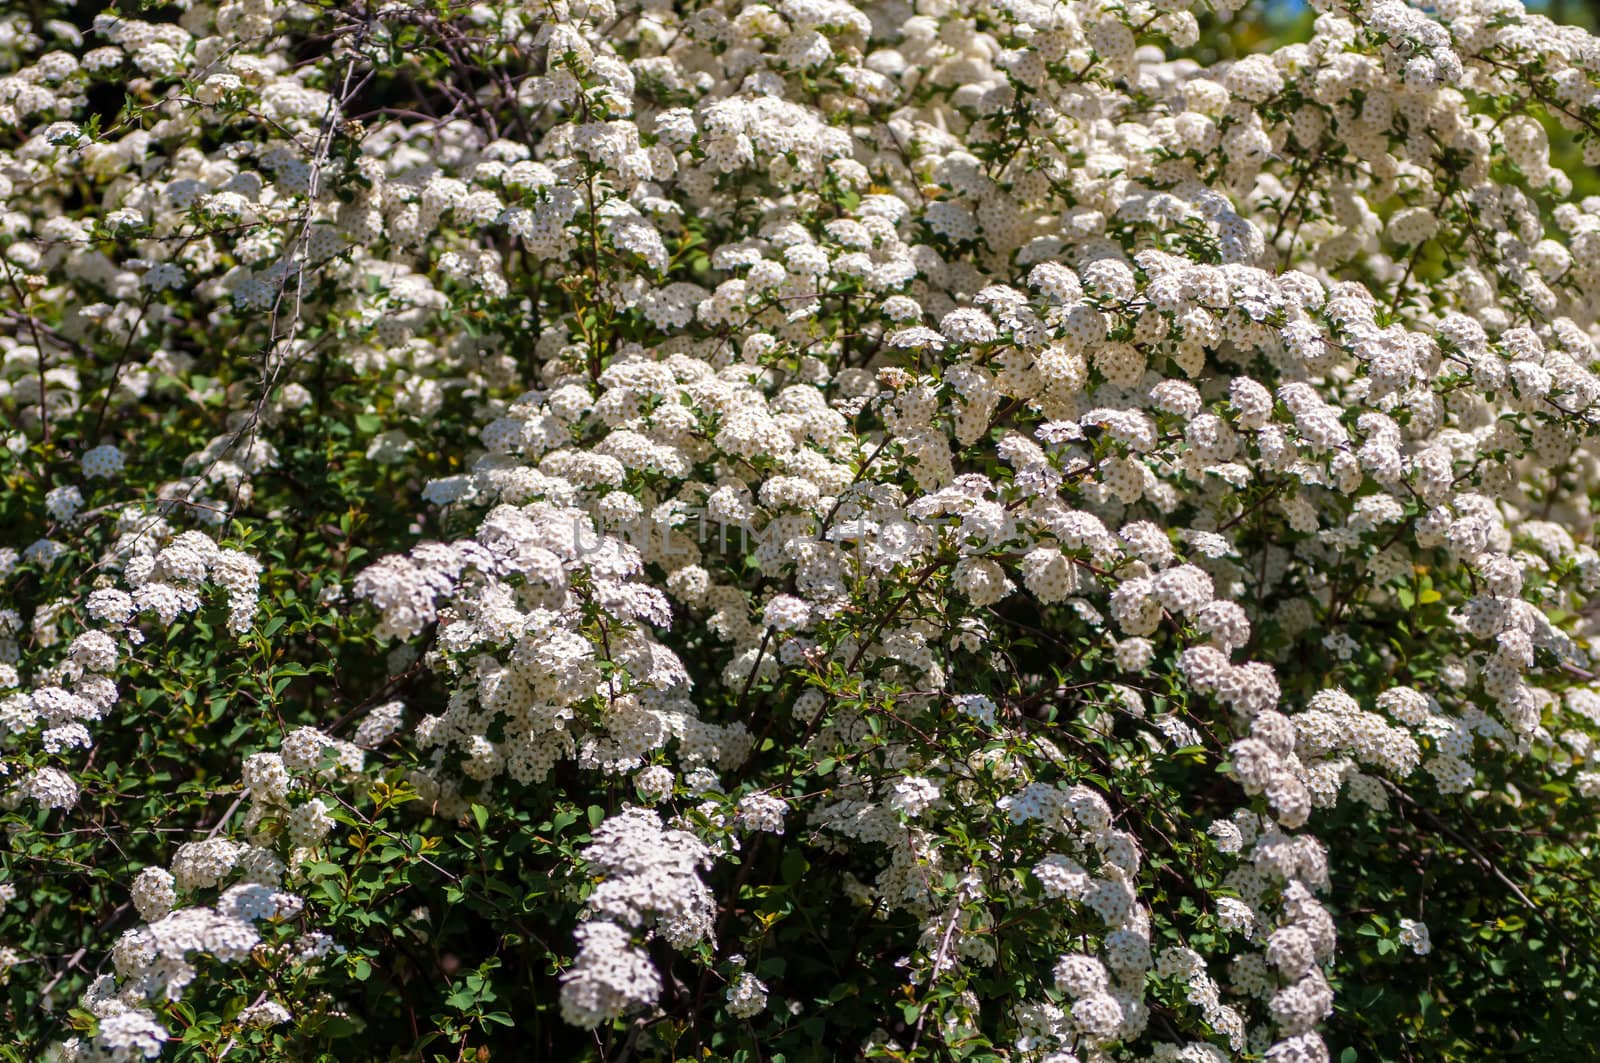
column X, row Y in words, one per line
column 910, row 448
column 649, row 879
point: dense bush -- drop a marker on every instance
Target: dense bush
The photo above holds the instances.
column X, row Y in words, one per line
column 975, row 529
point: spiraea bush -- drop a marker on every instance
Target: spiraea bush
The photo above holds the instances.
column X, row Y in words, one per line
column 634, row 530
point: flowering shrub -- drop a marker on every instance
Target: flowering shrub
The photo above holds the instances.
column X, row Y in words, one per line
column 973, row 529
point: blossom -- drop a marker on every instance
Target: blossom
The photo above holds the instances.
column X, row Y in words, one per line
column 734, row 411
column 1414, row 935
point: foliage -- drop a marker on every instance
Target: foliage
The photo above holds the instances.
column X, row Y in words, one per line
column 979, row 530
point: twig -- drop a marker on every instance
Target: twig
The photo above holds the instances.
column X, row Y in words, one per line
column 1462, row 840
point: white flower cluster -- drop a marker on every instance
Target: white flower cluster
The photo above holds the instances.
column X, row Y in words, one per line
column 650, row 880
column 548, row 637
column 1158, row 385
column 158, row 960
column 857, row 337
column 166, row 576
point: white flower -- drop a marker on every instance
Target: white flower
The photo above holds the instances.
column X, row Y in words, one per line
column 747, row 996
column 1414, row 935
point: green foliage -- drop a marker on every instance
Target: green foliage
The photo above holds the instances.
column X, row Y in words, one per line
column 450, row 912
